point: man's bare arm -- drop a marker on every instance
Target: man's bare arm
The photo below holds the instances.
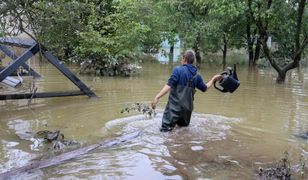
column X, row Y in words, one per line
column 162, row 92
column 216, row 77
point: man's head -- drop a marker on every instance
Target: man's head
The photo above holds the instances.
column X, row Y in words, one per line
column 189, row 57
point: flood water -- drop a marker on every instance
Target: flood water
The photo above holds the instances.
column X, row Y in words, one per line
column 229, row 137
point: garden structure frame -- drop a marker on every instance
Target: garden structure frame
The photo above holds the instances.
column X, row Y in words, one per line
column 32, row 48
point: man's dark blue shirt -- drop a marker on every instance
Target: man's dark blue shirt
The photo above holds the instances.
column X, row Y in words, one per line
column 182, row 74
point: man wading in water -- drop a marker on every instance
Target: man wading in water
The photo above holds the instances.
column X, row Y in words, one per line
column 181, row 84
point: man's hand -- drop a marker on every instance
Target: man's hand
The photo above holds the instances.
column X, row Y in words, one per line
column 154, row 103
column 217, row 77
column 162, row 92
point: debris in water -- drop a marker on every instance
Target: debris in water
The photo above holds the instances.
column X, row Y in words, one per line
column 145, row 109
column 56, row 140
column 282, row 170
column 49, row 135
column 302, row 135
column 197, row 148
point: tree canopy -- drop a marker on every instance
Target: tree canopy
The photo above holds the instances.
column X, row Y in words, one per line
column 106, row 35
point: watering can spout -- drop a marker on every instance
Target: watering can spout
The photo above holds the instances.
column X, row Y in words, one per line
column 234, row 72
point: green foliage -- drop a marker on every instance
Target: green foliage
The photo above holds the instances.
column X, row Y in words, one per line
column 193, row 22
column 53, row 23
column 116, row 38
column 281, row 19
column 224, row 21
column 107, row 35
column 58, row 26
column 170, row 19
column 203, row 24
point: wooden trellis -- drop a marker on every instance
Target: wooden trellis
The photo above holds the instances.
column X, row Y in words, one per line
column 32, row 48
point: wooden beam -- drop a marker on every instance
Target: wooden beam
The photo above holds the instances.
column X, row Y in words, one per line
column 67, row 73
column 34, row 48
column 66, row 156
column 17, row 42
column 19, row 61
column 40, row 95
column 13, row 56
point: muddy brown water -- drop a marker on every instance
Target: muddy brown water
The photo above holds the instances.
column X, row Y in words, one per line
column 230, row 135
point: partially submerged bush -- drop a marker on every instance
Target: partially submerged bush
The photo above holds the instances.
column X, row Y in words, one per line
column 109, row 66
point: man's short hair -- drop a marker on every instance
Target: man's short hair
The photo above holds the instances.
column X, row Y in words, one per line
column 189, row 56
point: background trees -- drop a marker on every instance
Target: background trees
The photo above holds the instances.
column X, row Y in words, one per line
column 285, row 23
column 54, row 23
column 105, row 35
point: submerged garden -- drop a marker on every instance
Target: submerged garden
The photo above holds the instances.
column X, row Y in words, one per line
column 124, row 51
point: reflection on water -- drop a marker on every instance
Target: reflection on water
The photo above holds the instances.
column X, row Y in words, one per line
column 230, row 135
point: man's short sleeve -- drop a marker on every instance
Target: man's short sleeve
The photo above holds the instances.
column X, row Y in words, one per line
column 174, row 78
column 200, row 84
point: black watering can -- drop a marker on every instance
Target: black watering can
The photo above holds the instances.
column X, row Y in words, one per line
column 229, row 81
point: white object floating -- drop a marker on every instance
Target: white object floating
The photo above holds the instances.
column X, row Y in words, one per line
column 13, row 82
column 269, row 42
column 197, row 148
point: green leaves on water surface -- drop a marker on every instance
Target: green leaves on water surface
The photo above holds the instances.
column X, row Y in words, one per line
column 145, row 109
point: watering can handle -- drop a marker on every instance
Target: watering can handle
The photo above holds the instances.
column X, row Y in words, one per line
column 217, row 87
column 223, row 73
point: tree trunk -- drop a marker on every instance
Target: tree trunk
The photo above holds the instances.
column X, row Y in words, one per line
column 67, row 51
column 249, row 41
column 281, row 73
column 257, row 52
column 299, row 47
column 171, row 49
column 281, row 77
column 224, row 52
column 171, row 52
column 197, row 51
column 198, row 56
